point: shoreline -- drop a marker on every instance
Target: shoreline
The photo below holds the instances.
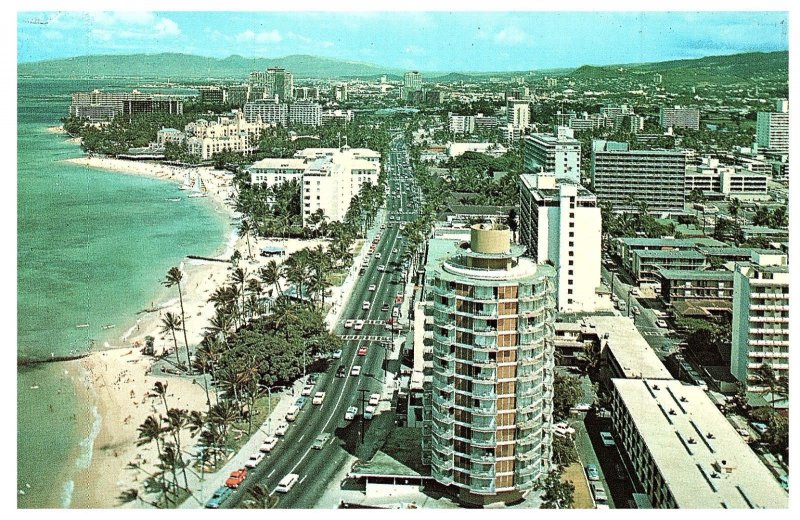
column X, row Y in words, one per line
column 117, row 378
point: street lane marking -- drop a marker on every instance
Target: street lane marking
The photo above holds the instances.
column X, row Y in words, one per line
column 270, row 473
column 301, row 437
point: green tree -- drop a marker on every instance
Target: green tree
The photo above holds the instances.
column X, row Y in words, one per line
column 555, row 493
column 169, row 324
column 174, row 278
column 564, row 452
column 566, row 394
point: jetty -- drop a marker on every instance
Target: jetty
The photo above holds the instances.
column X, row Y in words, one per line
column 21, row 362
column 208, row 259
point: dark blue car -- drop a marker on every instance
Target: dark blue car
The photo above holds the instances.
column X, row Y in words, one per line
column 220, row 495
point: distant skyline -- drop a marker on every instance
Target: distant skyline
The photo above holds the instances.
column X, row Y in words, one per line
column 426, row 41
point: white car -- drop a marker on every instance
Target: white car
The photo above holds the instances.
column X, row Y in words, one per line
column 307, row 390
column 348, row 324
column 381, row 268
column 337, row 354
column 280, row 431
column 350, row 414
column 563, row 430
column 254, row 459
column 369, row 411
column 268, row 444
column 377, row 255
column 661, row 323
column 373, row 287
column 365, row 306
column 356, row 370
column 359, row 325
column 582, row 407
column 318, row 398
column 374, row 399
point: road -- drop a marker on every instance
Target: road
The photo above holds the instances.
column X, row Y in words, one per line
column 294, row 453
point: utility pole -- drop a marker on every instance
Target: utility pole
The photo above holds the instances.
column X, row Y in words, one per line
column 362, row 390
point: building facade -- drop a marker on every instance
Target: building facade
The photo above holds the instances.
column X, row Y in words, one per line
column 493, row 364
column 772, row 129
column 559, row 153
column 98, row 106
column 266, row 111
column 655, row 177
column 561, row 223
column 677, row 117
column 760, row 334
column 305, row 113
column 227, row 134
column 459, row 124
column 519, row 113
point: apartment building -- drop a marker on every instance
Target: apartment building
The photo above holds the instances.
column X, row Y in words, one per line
column 519, row 113
column 459, row 124
column 492, row 385
column 684, row 453
column 560, row 223
column 677, row 117
column 229, row 133
column 760, row 334
column 306, row 113
column 655, row 177
column 624, row 247
column 559, row 153
column 772, row 129
column 712, row 178
column 682, row 285
column 98, row 106
column 267, row 111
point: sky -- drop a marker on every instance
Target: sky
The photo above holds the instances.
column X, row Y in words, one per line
column 427, row 41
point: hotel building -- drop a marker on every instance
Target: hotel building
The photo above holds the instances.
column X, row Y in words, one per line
column 559, row 153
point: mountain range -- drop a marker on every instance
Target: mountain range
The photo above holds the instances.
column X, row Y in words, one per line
column 715, row 69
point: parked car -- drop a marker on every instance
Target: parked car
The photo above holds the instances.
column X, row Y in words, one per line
column 318, row 398
column 219, row 496
column 341, row 371
column 307, row 389
column 348, row 324
column 359, row 325
column 381, row 268
column 280, row 431
column 236, row 478
column 373, row 287
column 268, row 444
column 760, row 427
column 300, row 402
column 350, row 414
column 582, row 407
column 254, row 459
column 563, row 429
column 362, row 351
column 365, row 306
column 337, row 354
column 661, row 323
column 377, row 255
column 599, row 493
column 369, row 412
column 320, row 441
column 607, row 438
column 634, row 292
column 374, row 399
column 591, row 472
column 356, row 370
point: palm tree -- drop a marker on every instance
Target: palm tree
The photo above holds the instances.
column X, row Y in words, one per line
column 240, row 277
column 765, row 377
column 222, row 415
column 174, row 277
column 259, row 498
column 177, row 420
column 150, row 431
column 170, row 323
column 734, row 206
column 161, row 390
column 245, row 228
column 270, row 274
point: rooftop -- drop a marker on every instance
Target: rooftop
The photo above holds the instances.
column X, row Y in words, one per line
column 670, row 242
column 669, row 253
column 633, row 354
column 681, row 274
column 703, row 460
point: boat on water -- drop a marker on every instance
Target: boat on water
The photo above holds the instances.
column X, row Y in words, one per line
column 174, row 199
column 109, row 326
column 82, row 326
column 188, row 182
column 199, row 188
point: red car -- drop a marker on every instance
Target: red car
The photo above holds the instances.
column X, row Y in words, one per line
column 236, row 478
column 362, row 351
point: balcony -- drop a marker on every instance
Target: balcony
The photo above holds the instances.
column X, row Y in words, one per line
column 484, row 426
column 442, row 418
column 485, row 411
column 475, row 473
column 488, row 443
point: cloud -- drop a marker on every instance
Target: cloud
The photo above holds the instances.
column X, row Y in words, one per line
column 413, row 49
column 272, row 36
column 299, row 37
column 101, row 34
column 326, row 44
column 511, row 36
column 130, row 25
column 166, row 27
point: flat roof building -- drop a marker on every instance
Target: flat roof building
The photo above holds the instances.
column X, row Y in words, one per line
column 559, row 153
column 772, row 129
column 627, row 352
column 677, row 117
column 684, row 453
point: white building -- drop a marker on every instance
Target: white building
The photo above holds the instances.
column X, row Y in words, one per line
column 677, row 117
column 330, row 177
column 772, row 129
column 760, row 325
column 492, row 149
column 712, row 177
column 684, row 453
column 560, row 223
column 461, row 124
column 170, row 135
column 266, row 111
column 305, row 113
column 329, row 116
column 226, row 134
column 559, row 153
column 519, row 113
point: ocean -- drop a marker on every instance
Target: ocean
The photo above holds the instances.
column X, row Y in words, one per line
column 92, row 249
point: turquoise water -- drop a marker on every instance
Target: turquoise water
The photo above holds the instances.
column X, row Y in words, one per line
column 93, row 247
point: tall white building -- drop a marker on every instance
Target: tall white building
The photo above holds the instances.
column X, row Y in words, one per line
column 305, row 113
column 412, row 81
column 226, row 134
column 330, row 177
column 519, row 113
column 677, row 117
column 772, row 128
column 559, row 153
column 760, row 325
column 560, row 223
column 461, row 124
column 267, row 111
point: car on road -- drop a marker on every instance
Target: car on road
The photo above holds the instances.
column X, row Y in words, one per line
column 661, row 323
column 337, row 353
column 254, row 459
column 318, row 398
column 287, row 483
column 365, row 306
column 348, row 324
column 374, row 399
column 359, row 325
column 394, row 250
column 350, row 414
column 301, row 402
column 219, row 496
column 378, row 255
column 362, row 351
column 385, row 307
column 236, row 478
column 280, row 431
column 760, row 427
column 563, row 429
column 369, row 412
column 268, row 444
column 608, row 439
column 591, row 472
column 634, row 292
column 356, row 370
column 307, row 390
column 373, row 287
column 582, row 407
column 381, row 268
column 599, row 493
column 341, row 371
column 320, row 441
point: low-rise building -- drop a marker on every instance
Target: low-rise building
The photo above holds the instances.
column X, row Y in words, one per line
column 684, row 453
column 170, row 135
column 229, row 133
column 625, row 247
column 714, row 179
column 681, row 285
column 491, row 149
column 647, row 263
column 625, row 352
